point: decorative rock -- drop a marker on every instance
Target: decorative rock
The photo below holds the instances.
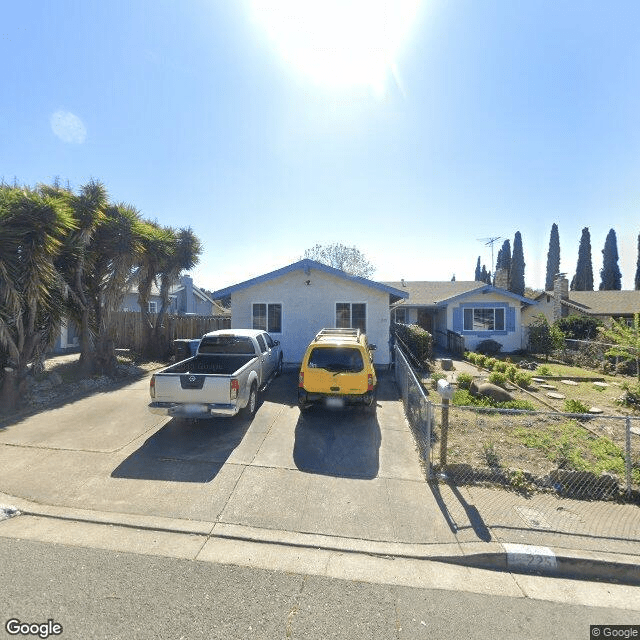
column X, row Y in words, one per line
column 571, row 383
column 548, row 386
column 595, row 410
column 602, row 385
column 489, row 390
column 538, row 379
column 446, row 364
column 556, row 396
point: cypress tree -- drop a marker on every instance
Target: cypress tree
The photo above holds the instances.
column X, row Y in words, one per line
column 504, row 257
column 610, row 276
column 478, row 276
column 553, row 258
column 483, row 274
column 583, row 280
column 637, row 279
column 516, row 275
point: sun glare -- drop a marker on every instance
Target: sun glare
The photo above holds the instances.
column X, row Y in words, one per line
column 339, row 42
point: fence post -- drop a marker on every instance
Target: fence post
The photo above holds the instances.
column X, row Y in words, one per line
column 427, row 416
column 628, row 456
column 444, row 431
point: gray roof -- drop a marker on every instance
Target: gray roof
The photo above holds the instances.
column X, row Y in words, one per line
column 604, row 303
column 305, row 265
column 425, row 293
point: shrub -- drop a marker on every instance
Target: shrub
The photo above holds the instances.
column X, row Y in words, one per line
column 489, row 363
column 498, row 378
column 522, row 378
column 500, row 366
column 488, row 347
column 480, row 360
column 417, row 340
column 511, row 372
column 464, row 380
column 577, row 327
column 575, row 406
column 543, row 337
column 543, row 370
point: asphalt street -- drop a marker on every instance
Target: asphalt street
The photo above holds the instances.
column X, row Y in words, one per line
column 102, row 594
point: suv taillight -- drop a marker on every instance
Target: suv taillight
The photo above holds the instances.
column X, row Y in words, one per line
column 235, row 387
column 152, row 386
column 370, row 382
column 301, row 379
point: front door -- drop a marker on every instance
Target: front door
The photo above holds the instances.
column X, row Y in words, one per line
column 425, row 320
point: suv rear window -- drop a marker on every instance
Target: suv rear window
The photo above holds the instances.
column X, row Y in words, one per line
column 227, row 344
column 336, row 359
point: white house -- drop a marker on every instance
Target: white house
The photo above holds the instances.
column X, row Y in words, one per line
column 295, row 302
column 474, row 310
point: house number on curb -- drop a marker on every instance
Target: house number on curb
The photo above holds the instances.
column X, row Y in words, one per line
column 524, row 556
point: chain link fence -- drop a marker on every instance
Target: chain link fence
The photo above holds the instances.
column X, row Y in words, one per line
column 582, row 456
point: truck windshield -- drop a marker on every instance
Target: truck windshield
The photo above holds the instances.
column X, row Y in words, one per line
column 336, row 359
column 227, row 344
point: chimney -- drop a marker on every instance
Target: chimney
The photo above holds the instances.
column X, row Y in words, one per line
column 187, row 281
column 404, row 284
column 560, row 292
column 502, row 279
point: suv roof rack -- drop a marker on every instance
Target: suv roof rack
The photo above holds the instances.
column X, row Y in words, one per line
column 347, row 333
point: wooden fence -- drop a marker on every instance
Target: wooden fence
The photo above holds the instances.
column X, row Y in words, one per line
column 128, row 334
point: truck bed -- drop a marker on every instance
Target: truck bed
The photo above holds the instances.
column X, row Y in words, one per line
column 221, row 364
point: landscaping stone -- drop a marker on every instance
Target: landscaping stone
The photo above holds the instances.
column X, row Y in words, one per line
column 595, row 410
column 538, row 380
column 446, row 364
column 602, row 385
column 489, row 390
column 548, row 386
column 555, row 396
column 571, row 383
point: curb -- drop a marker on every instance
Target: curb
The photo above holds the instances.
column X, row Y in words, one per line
column 493, row 556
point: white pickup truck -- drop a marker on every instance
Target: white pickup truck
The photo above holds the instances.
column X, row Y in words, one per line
column 222, row 379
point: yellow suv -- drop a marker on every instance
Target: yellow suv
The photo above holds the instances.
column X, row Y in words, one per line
column 337, row 370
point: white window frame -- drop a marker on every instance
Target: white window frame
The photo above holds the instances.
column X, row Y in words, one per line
column 476, row 325
column 152, row 306
column 351, row 303
column 266, row 327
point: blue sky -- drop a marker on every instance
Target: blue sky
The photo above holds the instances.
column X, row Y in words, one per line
column 268, row 128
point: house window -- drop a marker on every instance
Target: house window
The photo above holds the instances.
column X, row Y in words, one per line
column 152, row 307
column 267, row 317
column 484, row 319
column 351, row 315
column 401, row 316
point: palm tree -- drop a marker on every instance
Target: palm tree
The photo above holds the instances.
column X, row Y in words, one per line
column 114, row 254
column 32, row 228
column 184, row 255
column 88, row 207
column 158, row 243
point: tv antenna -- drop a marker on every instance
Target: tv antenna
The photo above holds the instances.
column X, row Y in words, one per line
column 490, row 242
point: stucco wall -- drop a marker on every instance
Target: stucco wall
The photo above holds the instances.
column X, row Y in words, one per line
column 511, row 338
column 308, row 308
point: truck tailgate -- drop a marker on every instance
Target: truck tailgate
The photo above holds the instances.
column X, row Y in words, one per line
column 192, row 388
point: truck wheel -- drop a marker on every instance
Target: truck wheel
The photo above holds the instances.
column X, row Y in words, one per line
column 250, row 410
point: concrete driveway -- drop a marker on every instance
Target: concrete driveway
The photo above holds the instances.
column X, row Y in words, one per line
column 333, row 473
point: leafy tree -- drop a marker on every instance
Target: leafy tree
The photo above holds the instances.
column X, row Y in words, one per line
column 478, row 275
column 610, row 276
column 579, row 327
column 553, row 257
column 32, row 228
column 544, row 338
column 516, row 279
column 583, row 279
column 347, row 259
column 626, row 338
